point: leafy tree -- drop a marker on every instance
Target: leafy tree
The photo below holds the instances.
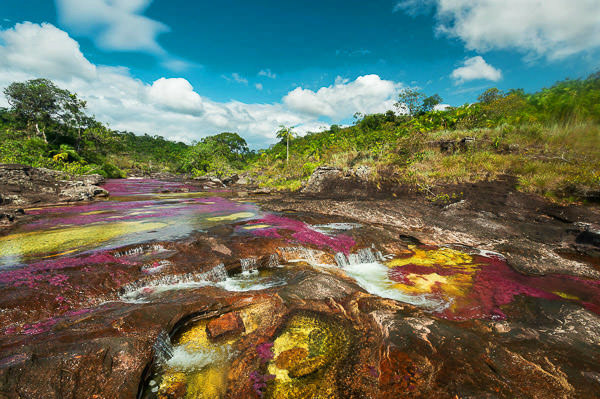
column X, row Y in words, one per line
column 39, row 102
column 490, row 95
column 286, row 134
column 411, row 101
column 430, row 102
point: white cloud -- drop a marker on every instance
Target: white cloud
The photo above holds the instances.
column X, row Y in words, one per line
column 43, row 50
column 552, row 28
column 113, row 24
column 367, row 94
column 267, row 73
column 476, row 68
column 171, row 107
column 259, row 86
column 235, row 77
column 176, row 94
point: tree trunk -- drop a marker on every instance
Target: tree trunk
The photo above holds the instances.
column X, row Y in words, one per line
column 37, row 129
column 287, row 161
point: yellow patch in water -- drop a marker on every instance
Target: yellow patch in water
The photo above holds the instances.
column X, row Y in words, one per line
column 207, row 382
column 564, row 295
column 232, row 217
column 450, row 286
column 94, row 213
column 445, row 257
column 69, row 239
column 307, row 355
column 257, row 226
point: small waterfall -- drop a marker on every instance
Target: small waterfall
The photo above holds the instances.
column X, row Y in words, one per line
column 139, row 250
column 163, row 349
column 364, row 255
column 216, row 274
column 155, row 267
column 248, row 265
column 341, row 260
column 273, row 261
column 295, row 254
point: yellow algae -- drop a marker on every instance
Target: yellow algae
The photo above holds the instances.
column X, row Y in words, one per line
column 306, row 357
column 457, row 282
column 445, row 257
column 204, row 381
column 67, row 239
column 232, row 217
column 565, row 295
column 257, row 226
column 94, row 213
column 211, row 383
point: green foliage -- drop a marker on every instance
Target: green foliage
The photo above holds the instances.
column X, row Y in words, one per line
column 220, row 155
column 66, row 139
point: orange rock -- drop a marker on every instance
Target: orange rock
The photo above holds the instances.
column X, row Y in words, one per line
column 227, row 324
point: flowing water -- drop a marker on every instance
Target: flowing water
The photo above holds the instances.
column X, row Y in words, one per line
column 142, row 245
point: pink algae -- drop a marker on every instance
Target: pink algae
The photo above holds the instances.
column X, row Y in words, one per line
column 302, row 233
column 495, row 284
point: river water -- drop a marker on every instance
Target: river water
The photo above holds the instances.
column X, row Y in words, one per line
column 153, row 237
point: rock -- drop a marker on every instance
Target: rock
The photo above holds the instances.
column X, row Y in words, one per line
column 94, row 180
column 263, row 191
column 226, row 325
column 78, row 191
column 228, row 181
column 363, row 172
column 321, row 179
column 209, row 182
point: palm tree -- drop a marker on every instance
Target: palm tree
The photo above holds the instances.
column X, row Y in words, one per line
column 286, row 133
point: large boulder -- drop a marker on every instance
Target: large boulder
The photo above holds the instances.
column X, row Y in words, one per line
column 322, row 179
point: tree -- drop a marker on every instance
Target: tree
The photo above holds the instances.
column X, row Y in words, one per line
column 38, row 102
column 490, row 95
column 286, row 133
column 430, row 102
column 410, row 100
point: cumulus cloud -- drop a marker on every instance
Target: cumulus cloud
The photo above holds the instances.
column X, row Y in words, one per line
column 43, row 50
column 172, row 107
column 176, row 94
column 113, row 24
column 476, row 68
column 367, row 94
column 552, row 28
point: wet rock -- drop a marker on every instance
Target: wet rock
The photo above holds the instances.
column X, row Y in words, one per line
column 226, row 325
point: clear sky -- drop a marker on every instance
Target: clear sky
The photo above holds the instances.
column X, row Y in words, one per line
column 187, row 69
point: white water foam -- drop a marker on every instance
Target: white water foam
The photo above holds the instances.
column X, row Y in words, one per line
column 185, row 359
column 250, row 281
column 372, row 276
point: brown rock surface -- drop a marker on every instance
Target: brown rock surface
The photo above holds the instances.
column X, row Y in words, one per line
column 226, row 325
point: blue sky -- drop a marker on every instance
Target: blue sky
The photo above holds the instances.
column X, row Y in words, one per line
column 186, row 69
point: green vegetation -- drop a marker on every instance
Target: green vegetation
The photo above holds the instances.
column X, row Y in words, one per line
column 549, row 140
column 47, row 127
